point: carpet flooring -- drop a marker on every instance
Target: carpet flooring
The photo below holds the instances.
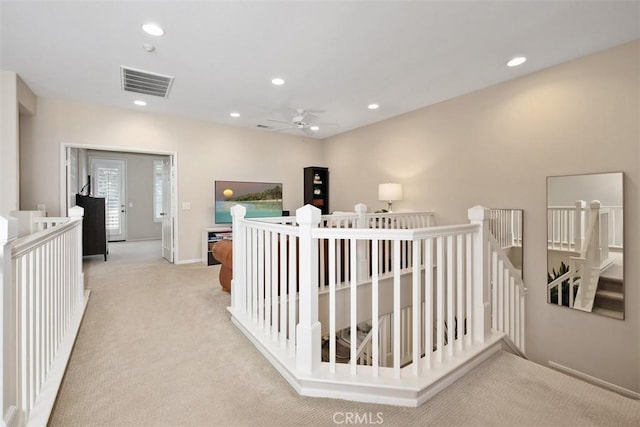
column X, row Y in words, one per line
column 157, row 348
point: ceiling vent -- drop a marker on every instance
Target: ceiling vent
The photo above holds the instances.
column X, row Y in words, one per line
column 144, row 82
column 263, row 126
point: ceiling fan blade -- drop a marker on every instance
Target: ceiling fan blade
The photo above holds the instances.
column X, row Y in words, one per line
column 326, row 124
column 281, row 129
column 279, row 121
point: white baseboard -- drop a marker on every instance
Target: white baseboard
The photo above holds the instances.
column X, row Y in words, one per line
column 595, row 381
column 145, row 239
column 189, row 261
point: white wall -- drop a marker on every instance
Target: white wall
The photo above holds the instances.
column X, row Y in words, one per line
column 496, row 147
column 205, row 152
column 16, row 100
column 9, row 141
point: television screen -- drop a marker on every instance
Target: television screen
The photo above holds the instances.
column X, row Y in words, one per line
column 261, row 199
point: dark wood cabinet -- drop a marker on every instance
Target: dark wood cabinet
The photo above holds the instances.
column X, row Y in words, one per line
column 316, row 188
column 94, row 231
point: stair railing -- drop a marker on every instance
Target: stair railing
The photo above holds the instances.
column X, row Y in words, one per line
column 586, row 267
column 508, row 296
column 557, row 283
column 437, row 284
column 41, row 274
column 506, row 226
column 566, row 226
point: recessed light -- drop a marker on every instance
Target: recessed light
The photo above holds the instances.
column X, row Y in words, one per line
column 234, row 115
column 518, row 60
column 314, row 128
column 277, row 81
column 373, row 106
column 153, row 29
column 140, row 102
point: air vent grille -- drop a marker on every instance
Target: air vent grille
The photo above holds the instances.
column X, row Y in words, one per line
column 263, row 126
column 145, row 82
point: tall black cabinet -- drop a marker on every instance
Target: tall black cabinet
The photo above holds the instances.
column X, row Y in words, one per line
column 316, row 187
column 94, row 230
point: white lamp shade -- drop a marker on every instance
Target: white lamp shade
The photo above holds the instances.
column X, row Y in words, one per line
column 389, row 192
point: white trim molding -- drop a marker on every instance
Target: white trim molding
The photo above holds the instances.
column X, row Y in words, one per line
column 595, row 381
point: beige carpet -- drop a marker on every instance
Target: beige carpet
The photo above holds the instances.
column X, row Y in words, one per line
column 157, row 348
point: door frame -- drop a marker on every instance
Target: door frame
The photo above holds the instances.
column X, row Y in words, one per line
column 64, row 188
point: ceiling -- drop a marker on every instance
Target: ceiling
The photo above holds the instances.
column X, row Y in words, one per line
column 335, row 56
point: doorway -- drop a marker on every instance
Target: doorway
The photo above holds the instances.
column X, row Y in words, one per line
column 140, row 197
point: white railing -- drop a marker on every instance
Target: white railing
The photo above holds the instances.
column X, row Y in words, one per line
column 506, row 227
column 437, row 295
column 586, row 267
column 361, row 219
column 567, row 226
column 615, row 221
column 43, row 306
column 507, row 293
column 46, row 222
column 557, row 284
column 593, row 256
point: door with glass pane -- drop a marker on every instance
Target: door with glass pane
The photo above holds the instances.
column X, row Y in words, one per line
column 167, row 211
column 108, row 180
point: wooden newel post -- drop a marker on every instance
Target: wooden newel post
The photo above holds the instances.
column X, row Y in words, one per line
column 239, row 271
column 308, row 330
column 361, row 246
column 8, row 233
column 481, row 286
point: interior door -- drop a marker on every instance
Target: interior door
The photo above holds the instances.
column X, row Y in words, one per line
column 108, row 181
column 167, row 211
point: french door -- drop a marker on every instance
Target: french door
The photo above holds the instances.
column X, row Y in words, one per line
column 167, row 211
column 108, row 181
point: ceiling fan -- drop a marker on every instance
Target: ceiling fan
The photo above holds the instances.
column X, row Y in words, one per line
column 303, row 121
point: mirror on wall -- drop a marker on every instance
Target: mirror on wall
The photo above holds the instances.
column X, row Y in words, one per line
column 506, row 227
column 585, row 250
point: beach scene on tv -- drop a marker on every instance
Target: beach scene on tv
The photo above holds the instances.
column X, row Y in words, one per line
column 261, row 199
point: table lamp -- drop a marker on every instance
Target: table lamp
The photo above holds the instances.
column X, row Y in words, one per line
column 389, row 192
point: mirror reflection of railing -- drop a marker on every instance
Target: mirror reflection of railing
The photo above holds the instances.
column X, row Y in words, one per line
column 585, row 248
column 566, row 226
column 615, row 221
column 506, row 226
column 585, row 269
column 591, row 240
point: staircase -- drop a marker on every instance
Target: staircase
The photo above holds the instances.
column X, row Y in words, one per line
column 609, row 300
